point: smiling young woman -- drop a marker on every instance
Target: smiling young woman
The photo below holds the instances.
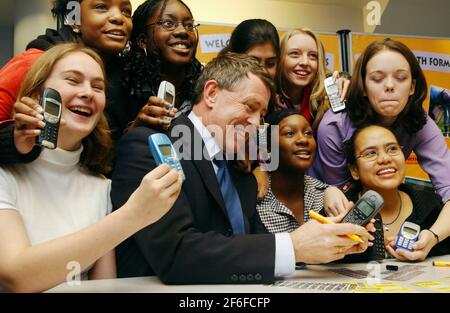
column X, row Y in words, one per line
column 162, row 47
column 67, row 201
column 376, row 162
column 388, row 88
column 105, row 25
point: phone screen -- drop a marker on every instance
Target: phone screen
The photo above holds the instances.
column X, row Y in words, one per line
column 365, row 208
column 166, row 150
column 409, row 232
column 168, row 97
column 51, row 108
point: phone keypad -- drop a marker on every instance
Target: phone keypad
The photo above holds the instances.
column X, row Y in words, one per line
column 173, row 162
column 404, row 243
column 49, row 133
column 355, row 217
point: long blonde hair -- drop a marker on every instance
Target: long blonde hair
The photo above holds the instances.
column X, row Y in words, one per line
column 318, row 102
column 97, row 145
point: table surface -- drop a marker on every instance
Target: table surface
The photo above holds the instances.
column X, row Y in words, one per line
column 314, row 278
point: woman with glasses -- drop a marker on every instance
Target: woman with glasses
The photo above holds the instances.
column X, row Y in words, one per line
column 388, row 88
column 376, row 162
column 162, row 47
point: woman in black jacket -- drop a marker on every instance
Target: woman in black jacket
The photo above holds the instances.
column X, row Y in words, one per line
column 376, row 162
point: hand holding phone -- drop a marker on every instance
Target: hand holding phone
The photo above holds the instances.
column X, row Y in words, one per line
column 163, row 151
column 332, row 90
column 364, row 209
column 407, row 236
column 52, row 105
column 166, row 91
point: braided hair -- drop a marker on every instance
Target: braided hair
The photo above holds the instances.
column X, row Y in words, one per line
column 140, row 69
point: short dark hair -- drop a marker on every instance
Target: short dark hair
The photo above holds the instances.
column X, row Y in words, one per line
column 413, row 117
column 250, row 33
column 275, row 118
column 228, row 70
column 349, row 145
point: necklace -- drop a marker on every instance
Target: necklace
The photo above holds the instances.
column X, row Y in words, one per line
column 385, row 225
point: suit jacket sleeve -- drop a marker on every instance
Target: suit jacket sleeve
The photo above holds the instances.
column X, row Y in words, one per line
column 178, row 252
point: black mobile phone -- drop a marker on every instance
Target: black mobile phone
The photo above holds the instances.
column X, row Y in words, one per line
column 51, row 103
column 365, row 209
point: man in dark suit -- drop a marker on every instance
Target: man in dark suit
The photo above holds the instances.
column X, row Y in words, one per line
column 207, row 237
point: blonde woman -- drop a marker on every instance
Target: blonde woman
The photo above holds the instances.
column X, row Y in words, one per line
column 300, row 74
column 54, row 210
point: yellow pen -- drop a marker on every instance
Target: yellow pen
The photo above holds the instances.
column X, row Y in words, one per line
column 441, row 263
column 324, row 220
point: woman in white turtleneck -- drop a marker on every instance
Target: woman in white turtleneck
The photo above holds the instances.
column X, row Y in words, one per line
column 54, row 212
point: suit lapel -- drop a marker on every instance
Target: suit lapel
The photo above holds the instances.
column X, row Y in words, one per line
column 193, row 147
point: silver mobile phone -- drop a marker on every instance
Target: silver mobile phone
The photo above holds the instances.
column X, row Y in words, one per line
column 51, row 103
column 166, row 91
column 333, row 95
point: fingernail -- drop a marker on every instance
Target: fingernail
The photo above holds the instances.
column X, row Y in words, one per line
column 40, row 109
column 39, row 116
column 41, row 124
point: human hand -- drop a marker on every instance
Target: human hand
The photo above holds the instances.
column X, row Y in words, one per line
column 153, row 113
column 421, row 247
column 29, row 120
column 316, row 243
column 156, row 194
column 262, row 178
column 335, row 202
column 343, row 84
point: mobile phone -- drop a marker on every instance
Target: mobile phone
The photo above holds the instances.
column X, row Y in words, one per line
column 408, row 234
column 163, row 151
column 365, row 209
column 51, row 103
column 166, row 91
column 332, row 90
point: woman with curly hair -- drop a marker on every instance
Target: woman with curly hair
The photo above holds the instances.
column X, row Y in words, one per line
column 162, row 47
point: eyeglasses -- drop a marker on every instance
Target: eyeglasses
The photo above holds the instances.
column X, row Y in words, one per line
column 171, row 25
column 372, row 154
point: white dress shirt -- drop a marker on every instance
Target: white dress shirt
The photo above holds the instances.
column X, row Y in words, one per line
column 284, row 250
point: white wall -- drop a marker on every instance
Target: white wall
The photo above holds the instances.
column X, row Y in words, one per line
column 31, row 19
column 416, row 18
column 6, row 46
column 283, row 14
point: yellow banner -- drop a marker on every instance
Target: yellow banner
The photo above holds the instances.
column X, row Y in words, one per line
column 433, row 55
column 214, row 37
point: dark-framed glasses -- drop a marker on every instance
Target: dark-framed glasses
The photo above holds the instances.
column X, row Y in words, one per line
column 372, row 154
column 171, row 25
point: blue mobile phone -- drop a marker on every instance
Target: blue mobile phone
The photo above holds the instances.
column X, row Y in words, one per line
column 408, row 234
column 163, row 151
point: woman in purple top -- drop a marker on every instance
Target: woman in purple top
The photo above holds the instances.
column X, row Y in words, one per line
column 388, row 88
